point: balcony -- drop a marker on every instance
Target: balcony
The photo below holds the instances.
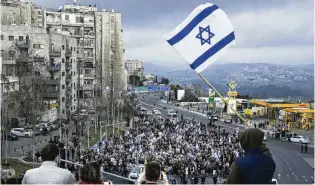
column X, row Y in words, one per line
column 88, row 55
column 69, row 89
column 68, row 53
column 68, row 102
column 90, row 75
column 68, row 80
column 56, row 67
column 68, row 66
column 39, row 59
column 53, row 81
column 56, row 52
column 87, row 87
column 22, row 44
column 89, row 65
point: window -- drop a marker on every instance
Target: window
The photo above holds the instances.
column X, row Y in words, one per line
column 11, row 38
column 63, row 47
column 74, row 96
column 63, row 60
column 63, row 99
column 63, row 111
column 2, row 37
column 78, row 20
column 63, row 73
column 71, row 49
column 67, row 17
column 63, row 86
column 20, row 38
column 71, row 108
column 74, row 85
column 73, row 73
column 74, row 48
column 70, row 61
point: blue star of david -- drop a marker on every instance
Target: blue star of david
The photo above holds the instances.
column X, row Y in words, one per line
column 205, row 40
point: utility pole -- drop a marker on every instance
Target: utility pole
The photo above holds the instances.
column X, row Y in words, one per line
column 133, row 103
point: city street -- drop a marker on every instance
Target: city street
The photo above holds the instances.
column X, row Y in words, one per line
column 15, row 147
column 292, row 167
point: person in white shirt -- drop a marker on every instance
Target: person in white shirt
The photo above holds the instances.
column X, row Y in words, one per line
column 48, row 172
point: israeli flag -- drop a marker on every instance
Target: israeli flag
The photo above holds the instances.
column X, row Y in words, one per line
column 203, row 36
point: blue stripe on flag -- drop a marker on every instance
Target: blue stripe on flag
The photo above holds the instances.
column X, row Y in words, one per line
column 189, row 27
column 213, row 50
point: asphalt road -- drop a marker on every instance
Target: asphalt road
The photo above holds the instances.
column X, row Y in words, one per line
column 15, row 147
column 292, row 166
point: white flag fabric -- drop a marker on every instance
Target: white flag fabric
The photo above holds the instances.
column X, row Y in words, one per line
column 203, row 36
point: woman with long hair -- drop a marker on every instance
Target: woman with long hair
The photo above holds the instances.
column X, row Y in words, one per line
column 91, row 174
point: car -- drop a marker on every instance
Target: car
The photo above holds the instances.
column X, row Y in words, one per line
column 157, row 112
column 228, row 120
column 171, row 113
column 38, row 131
column 135, row 172
column 10, row 137
column 143, row 109
column 299, row 139
column 91, row 111
column 149, row 112
column 214, row 117
column 45, row 124
column 84, row 111
column 21, row 132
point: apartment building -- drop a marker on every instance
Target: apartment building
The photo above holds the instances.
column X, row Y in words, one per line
column 20, row 12
column 135, row 67
column 100, row 48
column 56, row 53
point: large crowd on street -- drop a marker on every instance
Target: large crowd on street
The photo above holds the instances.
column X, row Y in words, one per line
column 188, row 151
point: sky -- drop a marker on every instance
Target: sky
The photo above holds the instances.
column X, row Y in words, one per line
column 273, row 31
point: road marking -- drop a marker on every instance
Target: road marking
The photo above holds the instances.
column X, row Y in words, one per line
column 310, row 161
column 279, row 176
column 297, row 178
column 304, row 178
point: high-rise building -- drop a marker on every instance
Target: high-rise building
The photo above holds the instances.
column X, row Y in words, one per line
column 57, row 54
column 84, row 47
column 19, row 12
column 135, row 67
column 100, row 52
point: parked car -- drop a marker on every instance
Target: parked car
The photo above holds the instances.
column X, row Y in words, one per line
column 38, row 131
column 91, row 111
column 171, row 113
column 149, row 112
column 228, row 120
column 10, row 137
column 45, row 124
column 21, row 132
column 84, row 112
column 299, row 139
column 215, row 117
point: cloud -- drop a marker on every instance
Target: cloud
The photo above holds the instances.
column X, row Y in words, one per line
column 271, row 35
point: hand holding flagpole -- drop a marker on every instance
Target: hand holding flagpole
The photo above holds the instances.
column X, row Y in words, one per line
column 202, row 38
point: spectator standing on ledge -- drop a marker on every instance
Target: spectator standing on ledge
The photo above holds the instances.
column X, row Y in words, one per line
column 257, row 166
column 90, row 174
column 48, row 172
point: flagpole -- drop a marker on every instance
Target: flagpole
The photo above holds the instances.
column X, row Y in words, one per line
column 211, row 86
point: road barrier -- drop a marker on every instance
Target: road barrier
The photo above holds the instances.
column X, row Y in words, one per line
column 103, row 172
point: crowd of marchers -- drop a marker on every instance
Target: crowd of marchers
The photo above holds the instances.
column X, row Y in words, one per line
column 188, row 151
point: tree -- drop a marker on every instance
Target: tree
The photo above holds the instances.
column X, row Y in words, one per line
column 136, row 79
column 189, row 96
column 175, row 88
column 165, row 81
